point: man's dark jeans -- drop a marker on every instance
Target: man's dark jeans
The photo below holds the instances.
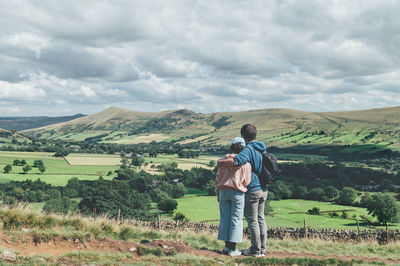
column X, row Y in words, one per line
column 255, row 217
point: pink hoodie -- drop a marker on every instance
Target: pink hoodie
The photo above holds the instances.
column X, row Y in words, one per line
column 233, row 178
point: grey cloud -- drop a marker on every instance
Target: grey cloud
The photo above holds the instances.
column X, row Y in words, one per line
column 65, row 62
column 12, row 73
column 221, row 91
column 162, row 55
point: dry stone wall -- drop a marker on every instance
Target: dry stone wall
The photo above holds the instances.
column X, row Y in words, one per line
column 381, row 236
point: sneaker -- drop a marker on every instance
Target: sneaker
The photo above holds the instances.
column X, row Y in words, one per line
column 225, row 251
column 234, row 252
column 248, row 252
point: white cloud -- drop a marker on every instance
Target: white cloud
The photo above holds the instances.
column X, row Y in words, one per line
column 206, row 55
column 20, row 92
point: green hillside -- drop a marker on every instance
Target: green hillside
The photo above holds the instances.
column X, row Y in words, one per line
column 281, row 127
column 9, row 137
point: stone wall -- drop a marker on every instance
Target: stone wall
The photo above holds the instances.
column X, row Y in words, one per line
column 283, row 233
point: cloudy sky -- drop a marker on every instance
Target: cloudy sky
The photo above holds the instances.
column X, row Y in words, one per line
column 66, row 57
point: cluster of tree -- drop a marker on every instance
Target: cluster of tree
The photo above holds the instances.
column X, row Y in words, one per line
column 314, row 174
column 341, row 153
column 284, row 190
column 221, row 122
column 26, row 168
column 28, row 191
column 188, row 154
column 18, row 162
column 115, row 198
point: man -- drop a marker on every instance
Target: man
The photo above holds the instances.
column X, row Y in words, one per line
column 256, row 195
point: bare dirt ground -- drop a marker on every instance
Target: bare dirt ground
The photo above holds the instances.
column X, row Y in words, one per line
column 59, row 246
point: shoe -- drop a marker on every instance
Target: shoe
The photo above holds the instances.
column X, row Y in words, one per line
column 248, row 252
column 225, row 251
column 234, row 252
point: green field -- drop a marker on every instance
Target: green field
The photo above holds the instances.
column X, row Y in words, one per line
column 83, row 166
column 58, row 171
column 206, row 208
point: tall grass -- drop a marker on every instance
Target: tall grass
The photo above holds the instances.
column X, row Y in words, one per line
column 43, row 227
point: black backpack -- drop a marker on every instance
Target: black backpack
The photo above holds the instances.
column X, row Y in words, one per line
column 269, row 168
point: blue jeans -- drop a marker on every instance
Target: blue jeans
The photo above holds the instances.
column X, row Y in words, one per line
column 231, row 206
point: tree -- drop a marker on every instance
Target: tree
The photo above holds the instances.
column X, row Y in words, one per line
column 383, row 206
column 167, row 205
column 282, row 190
column 37, row 163
column 180, row 217
column 7, row 169
column 124, row 163
column 26, row 168
column 178, row 191
column 157, row 195
column 300, row 192
column 347, row 196
column 331, row 193
column 315, row 194
column 107, row 197
column 17, row 162
column 60, row 205
column 23, row 162
column 211, row 163
column 137, row 160
column 314, row 211
column 61, row 152
column 153, row 153
column 210, row 187
column 42, row 169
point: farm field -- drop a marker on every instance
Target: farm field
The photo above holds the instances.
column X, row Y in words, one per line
column 206, row 208
column 84, row 166
column 93, row 159
column 58, row 171
column 183, row 163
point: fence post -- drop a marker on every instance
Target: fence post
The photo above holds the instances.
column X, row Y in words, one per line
column 305, row 229
column 119, row 215
column 358, row 230
column 159, row 221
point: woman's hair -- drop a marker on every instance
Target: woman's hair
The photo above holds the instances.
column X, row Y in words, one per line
column 236, row 148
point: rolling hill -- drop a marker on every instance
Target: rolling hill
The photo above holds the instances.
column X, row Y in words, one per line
column 282, row 127
column 7, row 137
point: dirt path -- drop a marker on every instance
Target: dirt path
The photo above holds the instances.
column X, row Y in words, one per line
column 59, row 246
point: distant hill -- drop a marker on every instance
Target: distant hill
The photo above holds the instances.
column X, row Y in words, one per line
column 21, row 123
column 283, row 127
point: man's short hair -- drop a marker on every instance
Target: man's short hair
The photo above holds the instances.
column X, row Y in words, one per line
column 248, row 132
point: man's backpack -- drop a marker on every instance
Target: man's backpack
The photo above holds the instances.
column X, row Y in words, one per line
column 269, row 168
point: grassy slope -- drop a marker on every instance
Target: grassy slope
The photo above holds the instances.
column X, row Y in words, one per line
column 282, row 127
column 45, row 227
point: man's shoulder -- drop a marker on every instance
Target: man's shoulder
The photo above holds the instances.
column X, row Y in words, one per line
column 257, row 145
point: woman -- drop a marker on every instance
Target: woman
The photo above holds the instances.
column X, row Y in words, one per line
column 231, row 185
